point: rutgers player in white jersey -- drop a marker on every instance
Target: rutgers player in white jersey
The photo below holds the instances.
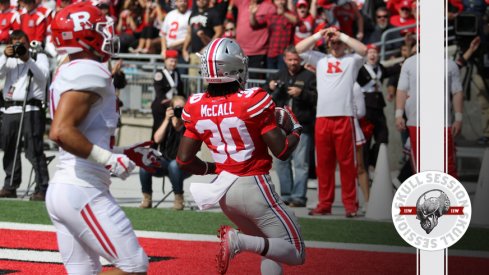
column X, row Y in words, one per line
column 88, row 221
column 239, row 127
column 336, row 74
column 174, row 27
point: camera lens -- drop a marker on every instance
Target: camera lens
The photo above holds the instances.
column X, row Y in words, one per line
column 177, row 111
column 19, row 49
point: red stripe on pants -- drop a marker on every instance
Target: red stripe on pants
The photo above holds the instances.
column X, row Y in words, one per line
column 335, row 141
column 450, row 147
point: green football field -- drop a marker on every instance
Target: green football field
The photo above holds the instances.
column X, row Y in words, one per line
column 196, row 222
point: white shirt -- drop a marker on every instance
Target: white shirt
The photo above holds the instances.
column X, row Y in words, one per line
column 407, row 82
column 98, row 127
column 174, row 27
column 335, row 79
column 16, row 76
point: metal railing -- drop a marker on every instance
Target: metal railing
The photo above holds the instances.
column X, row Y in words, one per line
column 140, row 70
column 384, row 43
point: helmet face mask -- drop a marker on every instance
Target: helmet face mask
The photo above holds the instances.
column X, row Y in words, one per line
column 223, row 61
column 111, row 44
column 83, row 27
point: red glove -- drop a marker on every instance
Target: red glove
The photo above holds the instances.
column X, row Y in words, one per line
column 143, row 155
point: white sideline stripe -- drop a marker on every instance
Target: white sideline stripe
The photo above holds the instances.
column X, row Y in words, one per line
column 212, row 238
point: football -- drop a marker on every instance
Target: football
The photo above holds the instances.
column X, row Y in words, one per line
column 284, row 120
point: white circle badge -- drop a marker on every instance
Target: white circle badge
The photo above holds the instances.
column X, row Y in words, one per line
column 431, row 210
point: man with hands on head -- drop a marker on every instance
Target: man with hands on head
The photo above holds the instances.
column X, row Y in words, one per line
column 334, row 133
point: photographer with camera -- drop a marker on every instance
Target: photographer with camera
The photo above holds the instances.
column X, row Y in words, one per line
column 295, row 87
column 167, row 136
column 25, row 84
column 168, row 86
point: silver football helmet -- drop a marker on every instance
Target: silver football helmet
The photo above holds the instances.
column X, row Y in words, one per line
column 224, row 61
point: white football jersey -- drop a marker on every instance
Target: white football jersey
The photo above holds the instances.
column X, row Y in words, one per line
column 99, row 125
column 174, row 27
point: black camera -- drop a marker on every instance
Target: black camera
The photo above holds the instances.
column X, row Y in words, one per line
column 177, row 111
column 19, row 49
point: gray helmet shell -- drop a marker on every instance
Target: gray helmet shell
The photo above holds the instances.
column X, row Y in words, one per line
column 224, row 61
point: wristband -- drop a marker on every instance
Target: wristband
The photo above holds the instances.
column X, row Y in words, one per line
column 458, row 116
column 344, row 38
column 317, row 36
column 99, row 155
column 399, row 113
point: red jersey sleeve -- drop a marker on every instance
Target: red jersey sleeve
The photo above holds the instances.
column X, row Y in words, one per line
column 187, row 117
column 260, row 108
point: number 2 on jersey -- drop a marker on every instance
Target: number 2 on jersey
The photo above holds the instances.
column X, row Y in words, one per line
column 230, row 139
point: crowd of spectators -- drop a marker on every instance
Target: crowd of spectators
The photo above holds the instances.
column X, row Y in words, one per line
column 264, row 28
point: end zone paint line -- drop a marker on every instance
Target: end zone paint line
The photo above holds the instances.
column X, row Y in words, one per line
column 213, row 238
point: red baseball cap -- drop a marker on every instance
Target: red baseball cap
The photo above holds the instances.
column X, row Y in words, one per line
column 171, row 54
column 405, row 4
column 372, row 47
column 302, row 3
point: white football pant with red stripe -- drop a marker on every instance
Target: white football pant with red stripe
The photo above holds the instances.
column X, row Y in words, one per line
column 89, row 223
column 254, row 206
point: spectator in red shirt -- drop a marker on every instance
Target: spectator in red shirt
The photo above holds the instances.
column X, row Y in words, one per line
column 305, row 26
column 252, row 35
column 281, row 29
column 347, row 14
column 405, row 16
column 9, row 20
column 45, row 11
column 32, row 21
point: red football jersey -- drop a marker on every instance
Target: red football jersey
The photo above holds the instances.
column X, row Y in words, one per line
column 232, row 127
column 9, row 20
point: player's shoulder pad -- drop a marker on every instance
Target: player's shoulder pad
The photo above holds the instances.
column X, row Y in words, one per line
column 84, row 75
column 192, row 101
column 255, row 101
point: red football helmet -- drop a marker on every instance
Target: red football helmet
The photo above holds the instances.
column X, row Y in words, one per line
column 83, row 27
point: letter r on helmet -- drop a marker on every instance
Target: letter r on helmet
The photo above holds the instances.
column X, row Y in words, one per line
column 81, row 21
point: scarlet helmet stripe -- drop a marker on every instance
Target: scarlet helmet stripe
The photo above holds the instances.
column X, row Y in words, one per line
column 211, row 57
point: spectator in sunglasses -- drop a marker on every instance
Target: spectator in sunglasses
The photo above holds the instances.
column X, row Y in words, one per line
column 229, row 29
column 381, row 25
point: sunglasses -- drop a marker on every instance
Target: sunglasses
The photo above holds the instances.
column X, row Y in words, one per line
column 229, row 29
column 405, row 9
column 382, row 16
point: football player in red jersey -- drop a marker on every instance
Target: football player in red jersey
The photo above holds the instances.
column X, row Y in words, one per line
column 239, row 127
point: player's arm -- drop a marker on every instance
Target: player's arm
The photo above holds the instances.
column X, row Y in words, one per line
column 281, row 146
column 401, row 97
column 458, row 108
column 188, row 161
column 72, row 109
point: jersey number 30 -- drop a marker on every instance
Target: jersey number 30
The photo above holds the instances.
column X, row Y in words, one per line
column 230, row 139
